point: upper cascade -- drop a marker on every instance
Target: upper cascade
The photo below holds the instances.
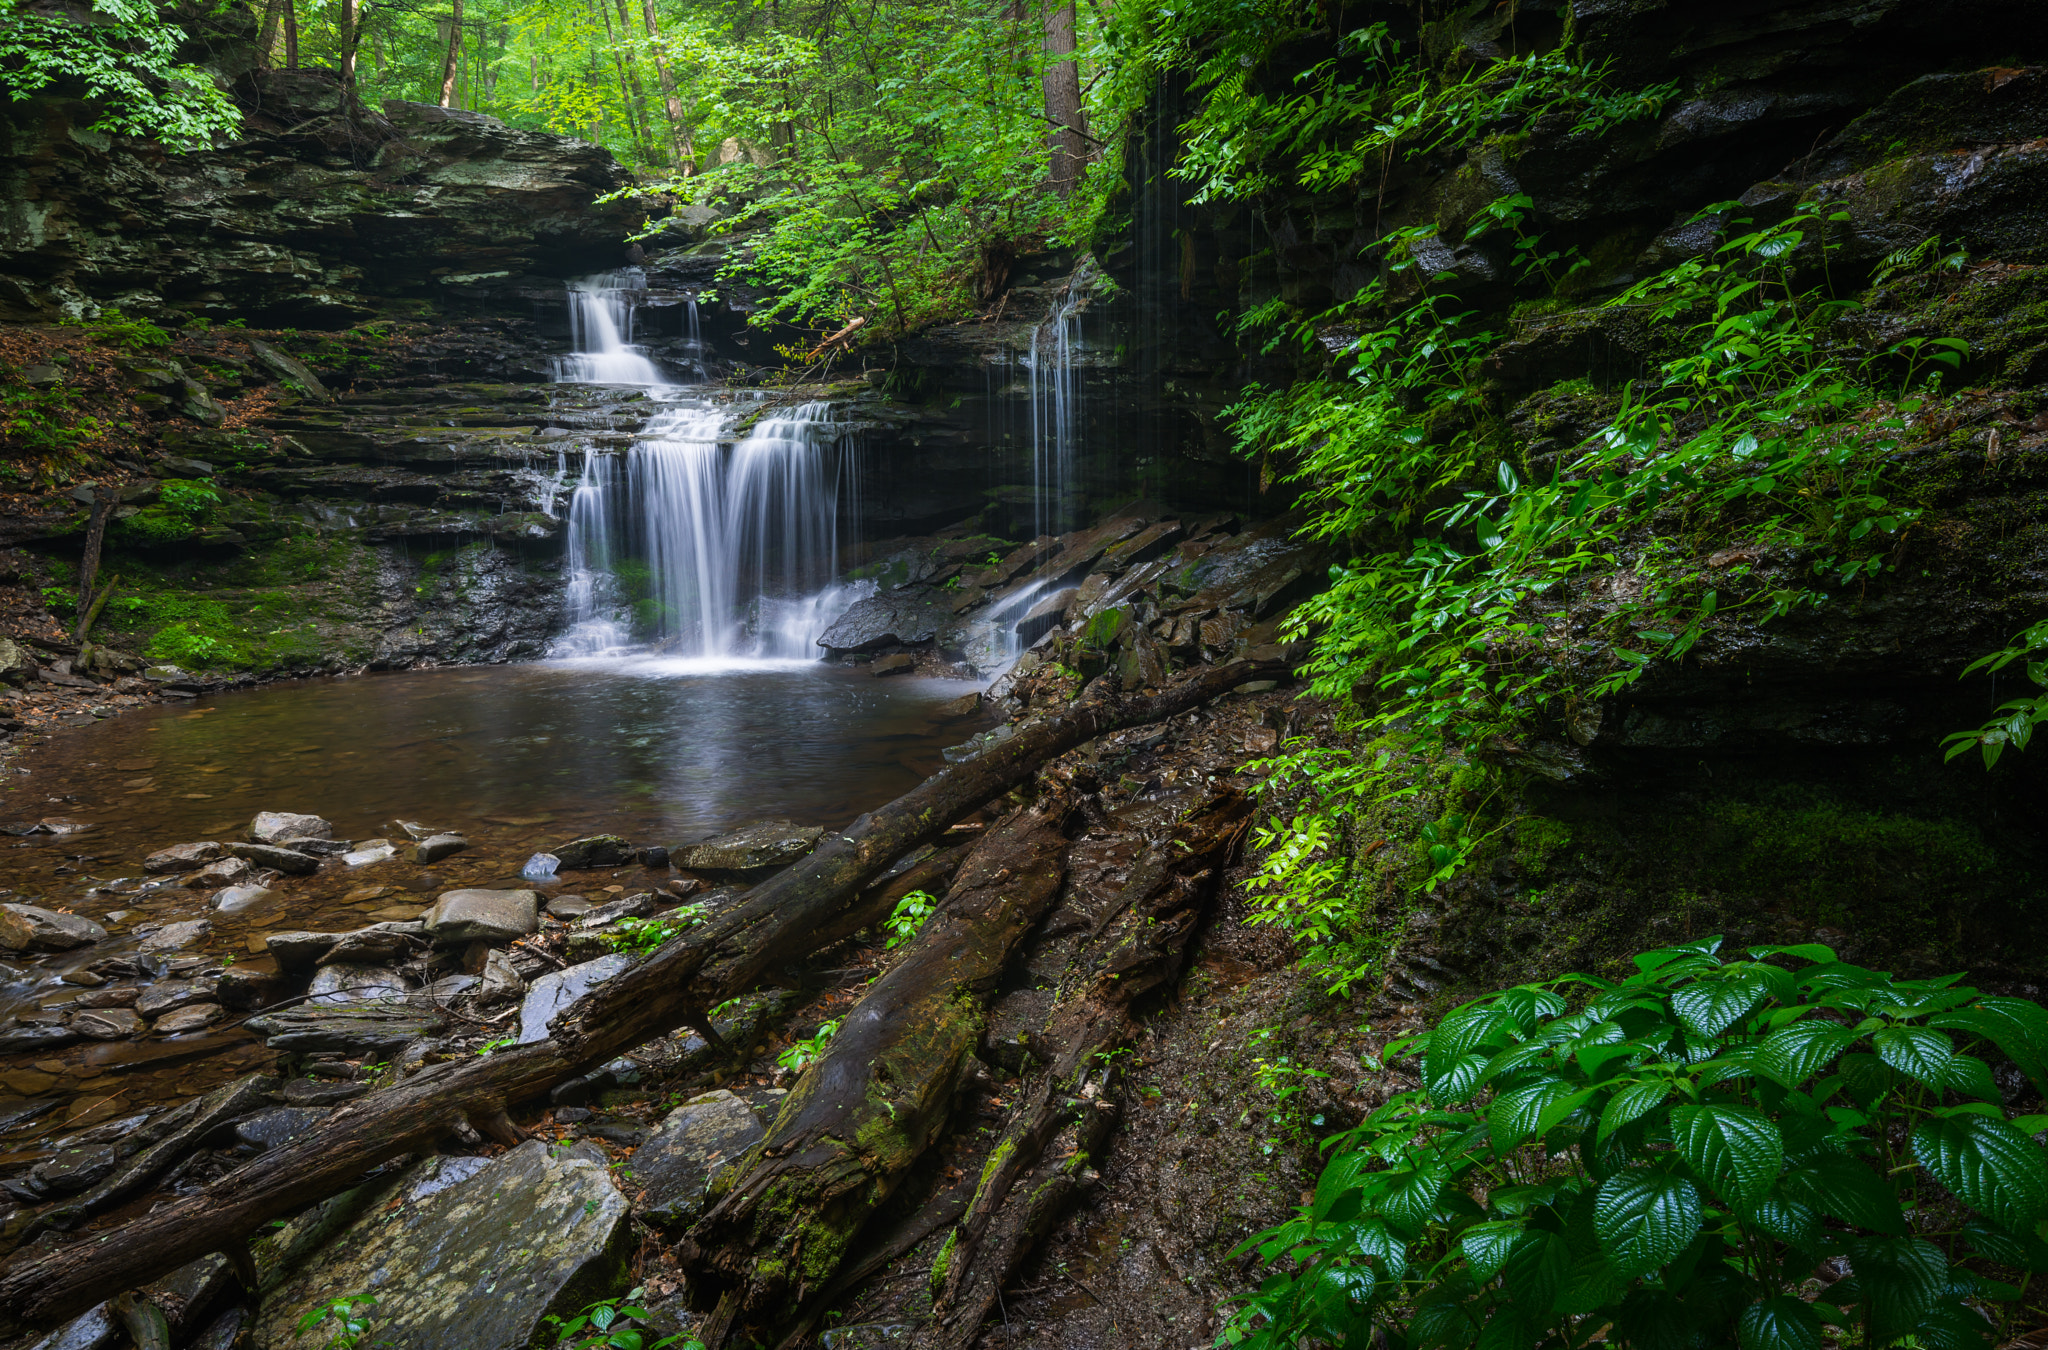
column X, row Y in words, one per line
column 601, row 314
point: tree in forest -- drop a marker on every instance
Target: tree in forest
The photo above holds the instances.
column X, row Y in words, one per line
column 1062, row 83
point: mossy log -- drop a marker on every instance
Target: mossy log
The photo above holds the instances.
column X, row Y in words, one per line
column 1047, row 1154
column 783, row 917
column 781, row 1219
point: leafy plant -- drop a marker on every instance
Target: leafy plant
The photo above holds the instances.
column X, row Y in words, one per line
column 350, row 1316
column 908, row 917
column 116, row 329
column 190, row 497
column 1672, row 1159
column 491, row 1047
column 124, row 57
column 644, row 935
column 614, row 1324
column 801, row 1053
column 2014, row 725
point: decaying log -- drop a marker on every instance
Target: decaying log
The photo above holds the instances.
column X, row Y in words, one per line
column 881, row 1092
column 694, row 971
column 1046, row 1155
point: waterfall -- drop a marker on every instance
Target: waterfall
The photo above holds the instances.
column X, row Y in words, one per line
column 601, row 313
column 1055, row 406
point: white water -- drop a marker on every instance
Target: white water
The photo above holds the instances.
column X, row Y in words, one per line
column 708, row 550
column 1055, row 400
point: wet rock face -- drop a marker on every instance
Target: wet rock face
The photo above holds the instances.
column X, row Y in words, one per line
column 475, row 1265
column 757, row 848
column 698, row 1140
column 45, row 930
column 555, row 991
column 415, row 201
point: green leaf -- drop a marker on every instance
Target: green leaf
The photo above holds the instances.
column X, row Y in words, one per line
column 1709, row 1007
column 1916, row 1052
column 1535, row 1272
column 1988, row 1165
column 1790, row 1222
column 1516, row 1115
column 1632, row 1102
column 1971, row 1076
column 1779, row 1324
column 1412, row 1199
column 1509, row 1328
column 1792, row 1056
column 1736, row 1151
column 1487, row 1246
column 1459, row 1079
column 1645, row 1218
column 1899, row 1280
column 1836, row 1184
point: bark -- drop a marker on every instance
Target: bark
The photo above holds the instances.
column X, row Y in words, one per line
column 454, row 54
column 95, row 537
column 351, row 35
column 92, row 611
column 638, row 95
column 860, row 1116
column 266, row 36
column 1062, row 81
column 679, row 135
column 1046, row 1156
column 291, row 34
column 687, row 975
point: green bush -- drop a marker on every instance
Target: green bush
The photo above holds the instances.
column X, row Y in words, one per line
column 1672, row 1160
column 115, row 329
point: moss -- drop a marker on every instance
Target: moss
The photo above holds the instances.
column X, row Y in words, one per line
column 944, row 1262
column 1537, row 841
column 1103, row 628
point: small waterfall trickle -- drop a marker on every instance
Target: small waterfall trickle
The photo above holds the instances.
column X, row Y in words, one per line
column 601, row 314
column 591, row 596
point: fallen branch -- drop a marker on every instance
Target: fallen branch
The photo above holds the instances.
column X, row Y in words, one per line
column 692, row 972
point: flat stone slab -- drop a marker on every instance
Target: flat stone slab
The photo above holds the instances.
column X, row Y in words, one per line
column 378, row 1030
column 343, row 983
column 697, row 1141
column 181, row 858
column 558, row 989
column 595, row 850
column 757, row 848
column 436, row 847
column 289, row 861
column 46, row 930
column 271, row 827
column 478, row 1264
column 483, row 916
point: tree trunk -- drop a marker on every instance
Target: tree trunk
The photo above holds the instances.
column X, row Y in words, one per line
column 351, row 33
column 638, row 94
column 861, row 1115
column 1062, row 82
column 95, row 537
column 266, row 36
column 689, row 974
column 685, row 155
column 454, row 54
column 291, row 34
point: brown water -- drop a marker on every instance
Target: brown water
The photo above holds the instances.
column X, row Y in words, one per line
column 515, row 758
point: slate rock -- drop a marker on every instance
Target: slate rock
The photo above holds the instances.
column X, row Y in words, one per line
column 558, row 989
column 611, row 911
column 289, row 861
column 268, row 1129
column 313, row 1092
column 889, row 619
column 28, row 1036
column 72, row 1170
column 167, row 995
column 50, row 931
column 755, row 849
column 501, row 980
column 107, row 1024
column 483, row 916
column 696, row 1141
column 243, row 899
column 436, row 847
column 377, row 944
column 181, row 858
column 596, row 850
column 439, row 1173
column 271, row 827
column 357, row 1030
column 296, row 950
column 569, row 906
column 176, row 936
column 478, row 1265
column 338, row 984
column 223, row 872
column 192, row 1017
column 900, row 663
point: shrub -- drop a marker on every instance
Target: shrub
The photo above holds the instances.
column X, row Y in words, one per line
column 1672, row 1160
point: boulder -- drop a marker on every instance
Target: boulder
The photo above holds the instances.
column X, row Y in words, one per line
column 107, row 1024
column 476, row 1265
column 436, row 847
column 289, row 861
column 501, row 980
column 901, row 663
column 483, row 916
column 889, row 619
column 696, row 1141
column 756, row 849
column 340, row 984
column 181, row 858
column 596, row 850
column 271, row 827
column 557, row 989
column 48, row 930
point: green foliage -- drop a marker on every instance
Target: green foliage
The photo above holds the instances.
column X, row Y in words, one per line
column 190, row 497
column 614, row 1324
column 349, row 1316
column 802, row 1053
column 184, row 644
column 908, row 917
column 2016, row 719
column 114, row 329
column 642, row 936
column 1671, row 1159
column 44, row 424
column 124, row 56
column 59, row 600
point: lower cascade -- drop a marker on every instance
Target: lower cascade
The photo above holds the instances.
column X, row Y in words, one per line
column 690, row 542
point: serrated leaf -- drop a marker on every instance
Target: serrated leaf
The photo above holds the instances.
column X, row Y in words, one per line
column 1458, row 1081
column 1779, row 1324
column 2015, row 1026
column 1710, row 1007
column 1738, row 1152
column 1529, row 1004
column 1590, row 1283
column 1790, row 1222
column 1900, row 1280
column 1340, row 1178
column 1632, row 1102
column 1971, row 1076
column 1535, row 1271
column 1514, row 1115
column 1792, row 1056
column 1645, row 1218
column 1410, row 1200
column 1487, row 1246
column 1988, row 1165
column 1916, row 1052
column 1836, row 1184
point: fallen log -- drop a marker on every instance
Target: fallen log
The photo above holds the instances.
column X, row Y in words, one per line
column 700, row 968
column 1046, row 1156
column 782, row 1217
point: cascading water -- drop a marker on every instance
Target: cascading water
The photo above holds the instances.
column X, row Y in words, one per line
column 601, row 314
column 1055, row 400
column 693, row 544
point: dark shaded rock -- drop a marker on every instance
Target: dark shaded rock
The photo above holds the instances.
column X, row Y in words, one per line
column 625, row 907
column 313, row 1092
column 902, row 663
column 46, row 930
column 107, row 1024
column 339, row 984
column 25, row 1036
column 295, row 950
column 181, row 858
column 696, row 1141
column 360, row 1030
column 166, row 995
column 483, row 916
column 190, row 1018
column 889, row 619
column 555, row 991
column 175, row 936
column 597, row 850
column 73, row 1170
column 436, row 847
column 268, row 1129
column 289, row 861
column 755, row 849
